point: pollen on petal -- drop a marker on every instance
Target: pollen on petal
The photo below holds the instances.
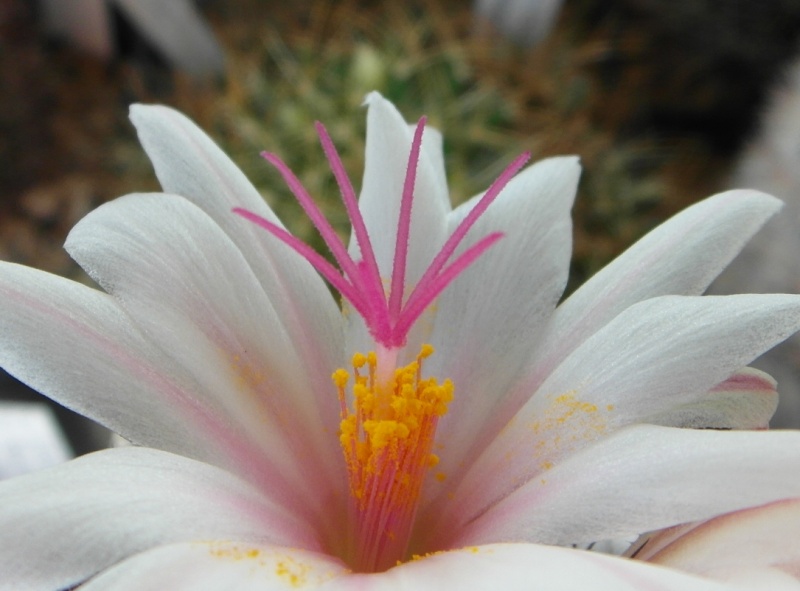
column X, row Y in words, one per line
column 233, row 552
column 292, row 572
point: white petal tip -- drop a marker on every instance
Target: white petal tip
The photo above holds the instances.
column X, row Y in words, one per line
column 373, row 97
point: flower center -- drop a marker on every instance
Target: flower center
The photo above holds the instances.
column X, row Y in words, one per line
column 387, row 439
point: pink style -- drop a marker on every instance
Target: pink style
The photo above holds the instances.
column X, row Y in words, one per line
column 388, row 317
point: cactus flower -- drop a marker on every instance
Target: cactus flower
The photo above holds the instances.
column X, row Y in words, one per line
column 446, row 422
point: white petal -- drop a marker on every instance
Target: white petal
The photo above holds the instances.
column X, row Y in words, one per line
column 223, row 566
column 187, row 285
column 433, row 154
column 763, row 579
column 102, row 367
column 746, row 400
column 99, row 364
column 488, row 322
column 746, row 541
column 681, row 257
column 653, row 358
column 190, row 164
column 523, row 567
column 388, row 145
column 62, row 525
column 644, row 478
column 219, row 566
column 386, row 159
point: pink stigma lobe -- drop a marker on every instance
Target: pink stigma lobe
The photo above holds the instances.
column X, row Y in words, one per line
column 388, row 317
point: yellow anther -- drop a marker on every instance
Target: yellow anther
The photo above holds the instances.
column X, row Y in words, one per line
column 340, row 378
column 388, row 435
column 385, row 433
column 348, row 430
column 400, row 406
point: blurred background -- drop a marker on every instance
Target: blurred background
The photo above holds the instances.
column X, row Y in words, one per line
column 665, row 101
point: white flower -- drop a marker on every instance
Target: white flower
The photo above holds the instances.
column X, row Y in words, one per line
column 213, row 345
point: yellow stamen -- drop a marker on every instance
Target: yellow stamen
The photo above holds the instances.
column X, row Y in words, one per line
column 387, row 440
